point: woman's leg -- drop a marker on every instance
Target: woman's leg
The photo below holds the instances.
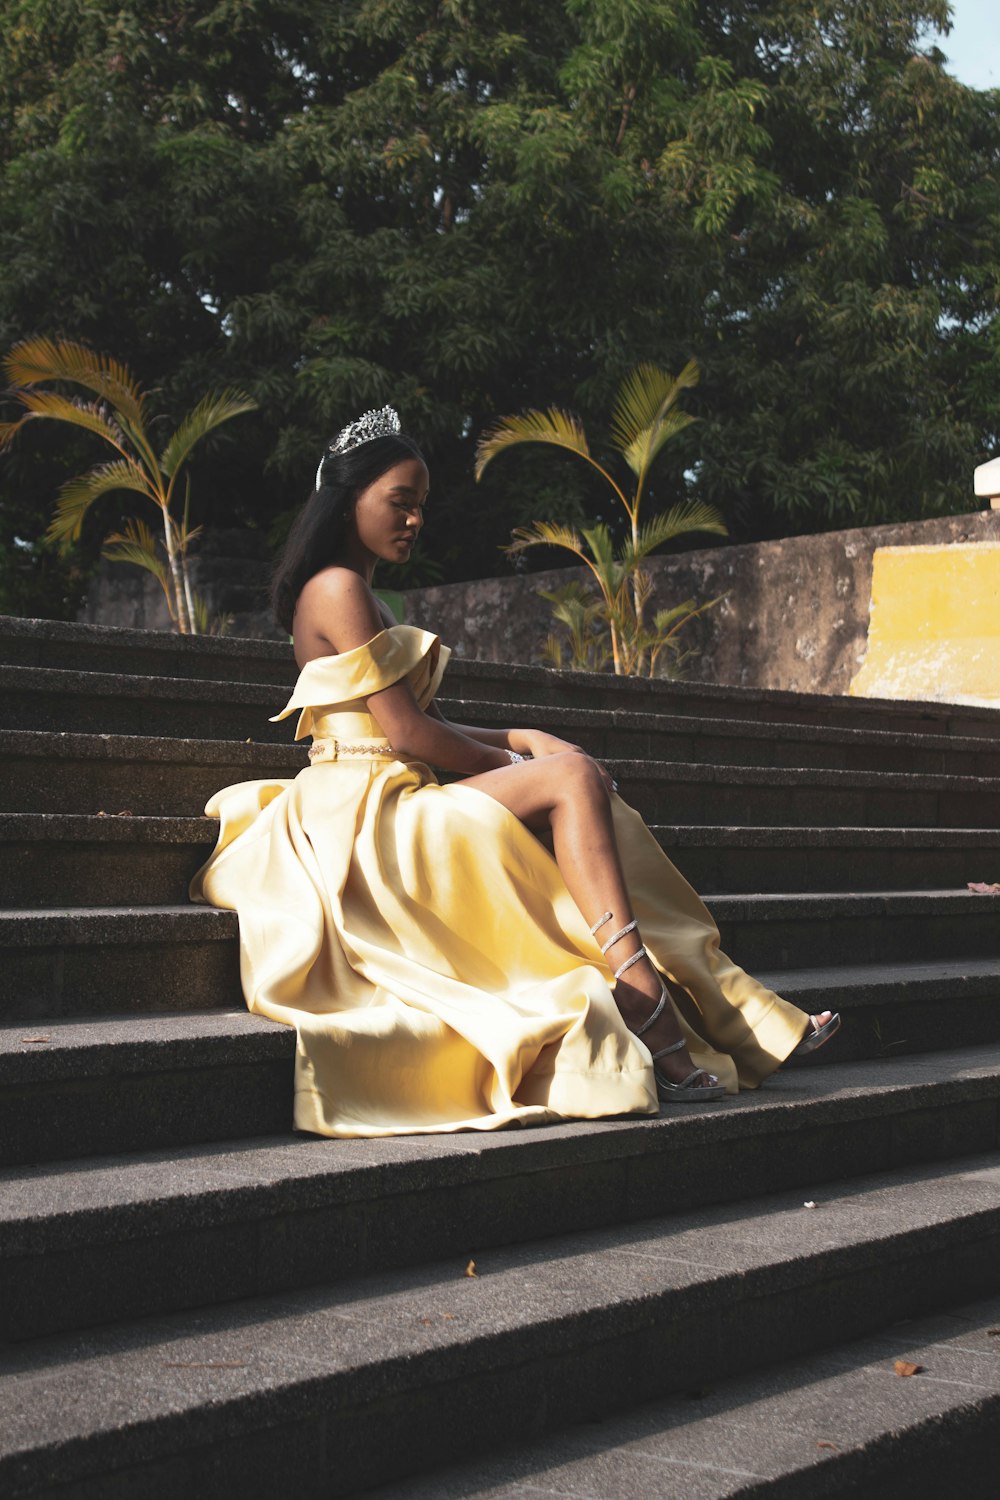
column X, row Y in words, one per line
column 568, row 794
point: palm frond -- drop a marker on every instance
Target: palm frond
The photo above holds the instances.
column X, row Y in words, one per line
column 584, row 618
column 689, row 515
column 545, row 534
column 552, row 651
column 645, row 396
column 93, row 416
column 9, row 430
column 640, row 454
column 644, row 417
column 78, row 495
column 598, row 539
column 664, row 618
column 607, row 568
column 136, row 544
column 36, row 359
column 669, row 621
column 212, row 410
column 554, row 426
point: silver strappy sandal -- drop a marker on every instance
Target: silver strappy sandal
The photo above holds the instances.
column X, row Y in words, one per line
column 688, row 1091
column 818, row 1036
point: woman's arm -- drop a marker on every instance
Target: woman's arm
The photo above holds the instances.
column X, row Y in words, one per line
column 346, row 614
column 339, row 603
column 534, row 742
column 415, row 735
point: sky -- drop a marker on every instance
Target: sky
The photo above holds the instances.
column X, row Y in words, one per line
column 973, row 45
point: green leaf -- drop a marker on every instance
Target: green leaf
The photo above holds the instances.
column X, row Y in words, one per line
column 643, row 418
column 58, row 408
column 37, row 359
column 212, row 410
column 688, row 516
column 555, row 426
column 669, row 621
column 545, row 534
column 78, row 495
column 136, row 544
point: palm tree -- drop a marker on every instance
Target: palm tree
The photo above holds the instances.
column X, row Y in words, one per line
column 118, row 414
column 644, row 418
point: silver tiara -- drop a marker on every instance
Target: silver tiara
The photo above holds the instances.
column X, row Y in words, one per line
column 372, row 424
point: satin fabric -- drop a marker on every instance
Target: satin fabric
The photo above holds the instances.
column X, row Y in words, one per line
column 424, row 945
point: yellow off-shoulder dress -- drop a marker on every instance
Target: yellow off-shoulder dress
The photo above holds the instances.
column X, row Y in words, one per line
column 425, row 948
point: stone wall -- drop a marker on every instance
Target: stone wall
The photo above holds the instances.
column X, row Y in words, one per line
column 794, row 616
column 230, row 570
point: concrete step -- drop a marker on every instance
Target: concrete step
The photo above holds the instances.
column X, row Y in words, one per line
column 687, row 793
column 117, row 1083
column 140, row 960
column 103, row 960
column 109, row 1238
column 80, row 859
column 118, row 775
column 731, row 740
column 113, row 774
column 824, row 928
column 123, row 703
column 111, row 1084
column 299, row 1392
column 720, row 859
column 107, row 648
column 835, row 1424
column 96, row 648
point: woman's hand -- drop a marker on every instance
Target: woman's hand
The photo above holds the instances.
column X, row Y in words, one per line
column 538, row 744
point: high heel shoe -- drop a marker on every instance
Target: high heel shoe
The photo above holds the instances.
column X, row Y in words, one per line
column 818, row 1036
column 689, row 1090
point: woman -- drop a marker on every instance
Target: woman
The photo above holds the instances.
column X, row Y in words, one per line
column 442, row 969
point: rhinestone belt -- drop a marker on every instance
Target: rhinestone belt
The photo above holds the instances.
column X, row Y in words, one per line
column 321, row 750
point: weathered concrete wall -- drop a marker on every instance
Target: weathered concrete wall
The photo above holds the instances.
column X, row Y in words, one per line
column 795, row 615
column 230, row 570
column 934, row 628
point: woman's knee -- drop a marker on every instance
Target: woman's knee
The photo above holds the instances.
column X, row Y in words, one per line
column 579, row 775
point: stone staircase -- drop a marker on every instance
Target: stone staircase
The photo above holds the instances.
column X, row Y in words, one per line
column 706, row 1304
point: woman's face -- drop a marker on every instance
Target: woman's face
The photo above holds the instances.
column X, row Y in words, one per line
column 388, row 515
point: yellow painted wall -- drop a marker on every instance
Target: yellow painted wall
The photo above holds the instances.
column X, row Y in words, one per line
column 934, row 628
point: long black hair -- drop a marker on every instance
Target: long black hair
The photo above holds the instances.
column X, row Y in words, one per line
column 317, row 533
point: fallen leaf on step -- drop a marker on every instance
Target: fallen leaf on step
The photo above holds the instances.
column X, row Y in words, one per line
column 993, row 1333
column 828, row 1445
column 27, row 1039
column 904, row 1367
column 470, row 1269
column 984, row 888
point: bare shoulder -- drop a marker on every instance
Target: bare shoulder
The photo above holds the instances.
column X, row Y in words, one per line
column 336, row 611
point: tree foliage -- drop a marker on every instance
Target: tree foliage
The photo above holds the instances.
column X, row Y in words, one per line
column 471, row 207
